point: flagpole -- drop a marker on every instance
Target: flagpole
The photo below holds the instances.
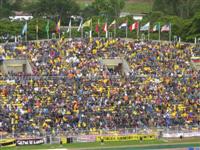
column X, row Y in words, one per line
column 91, row 30
column 70, row 30
column 37, row 29
column 170, row 32
column 126, row 29
column 98, row 29
column 115, row 30
column 138, row 30
column 70, row 33
column 106, row 29
column 149, row 33
column 98, row 32
column 159, row 32
column 26, row 34
column 47, row 29
column 82, row 32
column 47, row 34
column 81, row 27
column 179, row 39
column 37, row 36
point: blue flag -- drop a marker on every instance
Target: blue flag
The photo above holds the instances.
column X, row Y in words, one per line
column 24, row 30
column 145, row 27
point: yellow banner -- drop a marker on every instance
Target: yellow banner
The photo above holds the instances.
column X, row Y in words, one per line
column 133, row 137
column 8, row 143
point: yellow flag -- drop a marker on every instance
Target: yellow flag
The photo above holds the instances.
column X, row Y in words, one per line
column 87, row 23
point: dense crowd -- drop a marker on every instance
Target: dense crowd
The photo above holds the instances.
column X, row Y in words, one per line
column 72, row 90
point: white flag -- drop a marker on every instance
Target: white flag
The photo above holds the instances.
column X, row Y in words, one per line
column 70, row 26
column 145, row 27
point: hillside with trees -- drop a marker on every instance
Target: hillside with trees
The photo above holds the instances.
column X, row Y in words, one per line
column 184, row 15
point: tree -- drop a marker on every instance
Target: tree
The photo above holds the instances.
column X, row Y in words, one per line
column 55, row 8
column 17, row 5
column 166, row 6
column 191, row 28
column 5, row 8
column 116, row 6
column 107, row 8
column 181, row 8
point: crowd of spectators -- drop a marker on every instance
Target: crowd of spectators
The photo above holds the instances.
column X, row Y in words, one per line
column 71, row 89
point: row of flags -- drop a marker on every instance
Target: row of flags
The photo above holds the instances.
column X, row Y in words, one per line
column 146, row 27
column 134, row 26
column 88, row 23
column 165, row 28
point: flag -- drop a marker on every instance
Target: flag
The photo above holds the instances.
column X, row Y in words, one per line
column 112, row 24
column 145, row 27
column 87, row 23
column 166, row 28
column 123, row 25
column 97, row 27
column 134, row 26
column 47, row 27
column 156, row 27
column 105, row 27
column 25, row 28
column 58, row 26
column 80, row 25
column 70, row 26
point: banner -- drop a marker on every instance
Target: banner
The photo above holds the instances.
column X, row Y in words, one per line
column 196, row 62
column 8, row 143
column 132, row 137
column 29, row 141
column 183, row 134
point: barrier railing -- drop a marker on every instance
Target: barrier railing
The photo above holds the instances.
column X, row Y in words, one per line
column 35, row 138
column 123, row 131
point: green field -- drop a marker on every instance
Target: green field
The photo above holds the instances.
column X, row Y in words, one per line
column 122, row 145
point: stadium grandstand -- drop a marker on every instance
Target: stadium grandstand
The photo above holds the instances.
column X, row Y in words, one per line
column 99, row 74
column 70, row 86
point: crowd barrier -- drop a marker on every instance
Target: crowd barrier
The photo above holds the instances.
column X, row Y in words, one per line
column 134, row 137
column 65, row 137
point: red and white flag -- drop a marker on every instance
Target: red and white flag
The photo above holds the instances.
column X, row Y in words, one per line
column 105, row 27
column 166, row 28
column 134, row 26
